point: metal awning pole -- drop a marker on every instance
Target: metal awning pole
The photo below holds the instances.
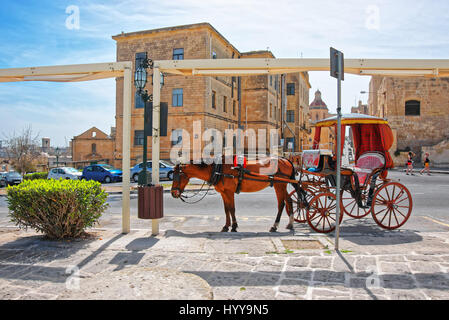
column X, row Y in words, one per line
column 337, row 222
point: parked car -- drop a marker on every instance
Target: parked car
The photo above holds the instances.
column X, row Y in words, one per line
column 13, row 178
column 165, row 170
column 64, row 173
column 3, row 179
column 102, row 173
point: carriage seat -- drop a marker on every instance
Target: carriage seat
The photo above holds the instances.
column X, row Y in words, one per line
column 317, row 160
column 367, row 163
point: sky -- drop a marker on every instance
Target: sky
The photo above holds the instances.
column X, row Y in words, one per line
column 39, row 33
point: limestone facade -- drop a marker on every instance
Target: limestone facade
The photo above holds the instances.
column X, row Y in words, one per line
column 91, row 146
column 417, row 110
column 318, row 111
column 210, row 101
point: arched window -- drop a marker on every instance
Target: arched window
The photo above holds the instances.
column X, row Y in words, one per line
column 412, row 108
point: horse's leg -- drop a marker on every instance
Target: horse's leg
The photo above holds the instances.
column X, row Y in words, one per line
column 227, row 212
column 280, row 195
column 232, row 212
column 289, row 205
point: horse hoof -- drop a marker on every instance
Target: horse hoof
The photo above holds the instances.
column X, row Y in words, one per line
column 273, row 229
column 225, row 229
column 289, row 227
column 234, row 230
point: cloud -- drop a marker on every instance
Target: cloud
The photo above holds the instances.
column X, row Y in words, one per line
column 35, row 34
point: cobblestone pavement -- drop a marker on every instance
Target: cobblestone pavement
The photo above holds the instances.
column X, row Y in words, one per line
column 191, row 262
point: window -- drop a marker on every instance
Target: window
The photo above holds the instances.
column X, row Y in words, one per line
column 94, row 148
column 177, row 97
column 290, row 143
column 138, row 101
column 140, row 56
column 412, row 108
column 290, row 115
column 271, row 81
column 176, row 136
column 224, row 104
column 213, row 99
column 233, row 107
column 290, row 89
column 178, row 54
column 214, row 55
column 138, row 137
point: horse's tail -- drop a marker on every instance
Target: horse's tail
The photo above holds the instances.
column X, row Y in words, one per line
column 299, row 191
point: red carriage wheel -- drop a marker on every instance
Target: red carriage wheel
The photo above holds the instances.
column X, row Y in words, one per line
column 350, row 207
column 322, row 212
column 392, row 205
column 299, row 208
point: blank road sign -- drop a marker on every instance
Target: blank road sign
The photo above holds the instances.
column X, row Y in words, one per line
column 335, row 55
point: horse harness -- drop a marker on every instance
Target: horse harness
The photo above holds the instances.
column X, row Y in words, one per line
column 217, row 175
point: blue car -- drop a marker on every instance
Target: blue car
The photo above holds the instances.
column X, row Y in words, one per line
column 102, row 173
column 165, row 170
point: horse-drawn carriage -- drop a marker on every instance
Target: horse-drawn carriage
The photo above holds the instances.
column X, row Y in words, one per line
column 364, row 189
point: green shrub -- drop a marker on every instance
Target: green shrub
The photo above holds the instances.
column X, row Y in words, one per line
column 35, row 176
column 58, row 208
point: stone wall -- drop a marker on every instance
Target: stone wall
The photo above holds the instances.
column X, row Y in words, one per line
column 416, row 132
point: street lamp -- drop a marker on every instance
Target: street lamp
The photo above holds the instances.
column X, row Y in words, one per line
column 140, row 80
column 150, row 196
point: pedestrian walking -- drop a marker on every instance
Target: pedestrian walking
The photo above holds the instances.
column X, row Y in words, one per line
column 410, row 163
column 426, row 164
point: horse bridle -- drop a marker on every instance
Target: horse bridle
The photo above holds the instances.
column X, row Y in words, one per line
column 177, row 178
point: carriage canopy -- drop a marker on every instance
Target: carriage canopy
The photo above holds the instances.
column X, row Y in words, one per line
column 368, row 134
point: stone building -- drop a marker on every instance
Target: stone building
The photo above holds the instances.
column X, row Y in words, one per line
column 297, row 126
column 210, row 101
column 318, row 111
column 360, row 108
column 417, row 111
column 92, row 145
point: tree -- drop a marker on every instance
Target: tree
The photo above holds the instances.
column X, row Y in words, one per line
column 22, row 149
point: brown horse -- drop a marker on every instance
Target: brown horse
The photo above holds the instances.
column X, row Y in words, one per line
column 228, row 183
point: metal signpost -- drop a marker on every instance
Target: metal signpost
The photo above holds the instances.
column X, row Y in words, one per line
column 337, row 71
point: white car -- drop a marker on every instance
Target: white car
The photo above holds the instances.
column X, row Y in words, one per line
column 64, row 173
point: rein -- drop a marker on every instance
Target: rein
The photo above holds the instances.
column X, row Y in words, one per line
column 198, row 192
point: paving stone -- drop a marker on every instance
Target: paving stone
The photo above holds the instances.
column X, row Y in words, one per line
column 365, row 264
column 286, row 296
column 262, row 293
column 397, row 281
column 274, row 264
column 421, row 257
column 299, row 261
column 405, row 295
column 328, row 276
column 431, row 281
column 436, row 294
column 425, row 267
column 12, row 292
column 294, row 287
column 394, row 267
column 263, row 279
column 391, row 258
column 298, row 273
column 38, row 296
column 345, row 264
column 321, row 262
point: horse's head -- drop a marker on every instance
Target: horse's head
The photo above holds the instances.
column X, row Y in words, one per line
column 180, row 180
